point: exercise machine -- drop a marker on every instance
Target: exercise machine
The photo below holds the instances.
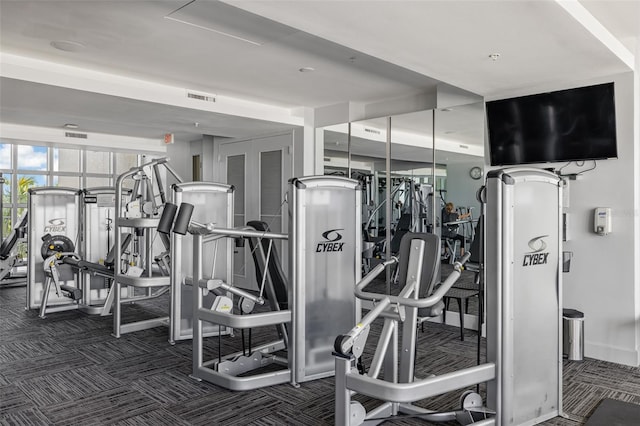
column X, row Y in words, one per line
column 97, row 247
column 86, row 244
column 412, row 212
column 213, row 203
column 524, row 294
column 80, row 269
column 324, row 265
column 10, row 256
column 523, row 370
column 143, row 272
column 394, row 356
column 53, row 227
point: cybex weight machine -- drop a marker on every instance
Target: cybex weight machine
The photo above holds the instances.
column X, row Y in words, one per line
column 523, row 370
column 324, row 265
column 213, row 203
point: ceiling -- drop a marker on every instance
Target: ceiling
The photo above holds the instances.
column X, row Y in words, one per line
column 361, row 52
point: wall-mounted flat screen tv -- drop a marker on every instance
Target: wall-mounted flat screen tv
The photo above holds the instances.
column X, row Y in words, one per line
column 567, row 125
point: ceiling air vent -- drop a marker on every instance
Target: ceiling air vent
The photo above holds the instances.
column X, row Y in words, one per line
column 201, row 96
column 464, row 146
column 376, row 132
column 75, row 135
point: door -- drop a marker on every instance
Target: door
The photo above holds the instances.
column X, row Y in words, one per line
column 259, row 169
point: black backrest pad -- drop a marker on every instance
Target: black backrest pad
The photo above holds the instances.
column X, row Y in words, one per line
column 112, row 251
column 166, row 220
column 404, row 226
column 275, row 267
column 181, row 224
column 429, row 264
column 404, row 223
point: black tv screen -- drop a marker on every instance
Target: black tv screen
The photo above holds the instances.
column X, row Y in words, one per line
column 567, row 125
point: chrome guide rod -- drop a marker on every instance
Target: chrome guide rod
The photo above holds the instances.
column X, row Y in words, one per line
column 389, row 207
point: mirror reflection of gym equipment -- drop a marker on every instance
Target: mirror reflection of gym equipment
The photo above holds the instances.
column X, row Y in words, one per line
column 358, row 149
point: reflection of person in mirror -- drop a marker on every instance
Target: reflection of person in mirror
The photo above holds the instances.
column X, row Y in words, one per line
column 449, row 214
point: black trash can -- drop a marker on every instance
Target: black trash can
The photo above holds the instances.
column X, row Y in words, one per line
column 572, row 334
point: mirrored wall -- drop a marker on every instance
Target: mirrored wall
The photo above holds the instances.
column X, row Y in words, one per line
column 406, row 182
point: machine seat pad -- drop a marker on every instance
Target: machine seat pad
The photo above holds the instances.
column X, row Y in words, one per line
column 76, row 263
column 95, row 267
column 432, row 311
column 72, row 292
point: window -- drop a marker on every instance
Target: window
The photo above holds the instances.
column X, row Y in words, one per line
column 125, row 161
column 25, row 182
column 98, row 162
column 28, row 166
column 32, row 157
column 66, row 160
column 6, row 222
column 5, row 156
column 97, row 182
column 67, row 181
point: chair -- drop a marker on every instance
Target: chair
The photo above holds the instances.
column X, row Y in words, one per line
column 462, row 291
column 461, row 295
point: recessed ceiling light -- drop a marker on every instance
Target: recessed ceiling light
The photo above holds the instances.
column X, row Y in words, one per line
column 71, row 126
column 307, row 69
column 67, row 45
column 494, row 56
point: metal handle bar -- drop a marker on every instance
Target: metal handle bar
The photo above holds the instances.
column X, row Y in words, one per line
column 344, row 342
column 209, row 228
column 213, row 284
column 377, row 270
column 426, row 302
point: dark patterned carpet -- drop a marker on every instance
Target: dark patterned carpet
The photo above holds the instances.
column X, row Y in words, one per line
column 69, row 370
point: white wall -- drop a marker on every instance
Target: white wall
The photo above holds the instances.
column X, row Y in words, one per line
column 604, row 280
column 461, row 188
column 636, row 178
column 179, row 156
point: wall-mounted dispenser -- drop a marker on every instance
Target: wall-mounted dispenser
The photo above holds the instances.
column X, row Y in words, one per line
column 602, row 220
